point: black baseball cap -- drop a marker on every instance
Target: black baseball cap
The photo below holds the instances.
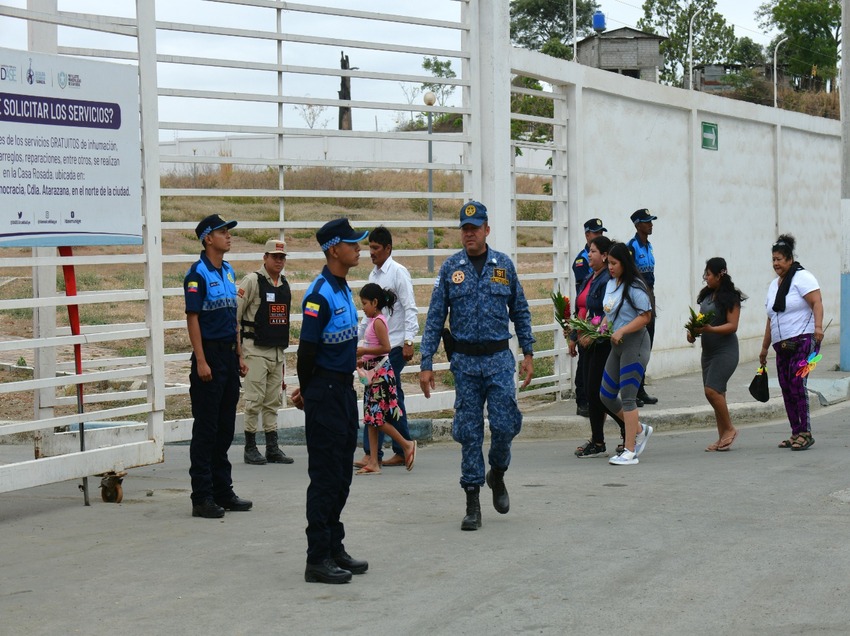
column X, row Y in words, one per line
column 210, row 224
column 594, row 225
column 338, row 231
column 642, row 216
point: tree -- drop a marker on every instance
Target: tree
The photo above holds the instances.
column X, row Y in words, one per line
column 712, row 37
column 813, row 29
column 439, row 68
column 747, row 53
column 547, row 25
column 312, row 114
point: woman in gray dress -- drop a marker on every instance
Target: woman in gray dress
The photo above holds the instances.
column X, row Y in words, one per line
column 719, row 344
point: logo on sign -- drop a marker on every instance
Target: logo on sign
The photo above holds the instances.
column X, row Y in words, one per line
column 8, row 73
column 62, row 78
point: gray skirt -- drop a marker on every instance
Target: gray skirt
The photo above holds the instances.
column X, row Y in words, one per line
column 719, row 361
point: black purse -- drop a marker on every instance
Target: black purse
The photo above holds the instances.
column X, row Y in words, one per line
column 758, row 387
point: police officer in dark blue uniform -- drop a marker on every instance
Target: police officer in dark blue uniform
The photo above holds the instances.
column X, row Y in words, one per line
column 210, row 292
column 641, row 250
column 327, row 359
column 581, row 272
column 479, row 291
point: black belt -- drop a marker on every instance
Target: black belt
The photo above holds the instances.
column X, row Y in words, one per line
column 221, row 345
column 347, row 378
column 481, row 348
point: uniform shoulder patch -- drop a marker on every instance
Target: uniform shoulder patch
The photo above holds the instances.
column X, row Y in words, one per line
column 500, row 276
column 311, row 309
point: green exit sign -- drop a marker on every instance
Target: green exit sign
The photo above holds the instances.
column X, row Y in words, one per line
column 709, row 136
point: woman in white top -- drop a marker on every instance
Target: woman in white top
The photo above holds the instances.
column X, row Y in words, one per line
column 795, row 327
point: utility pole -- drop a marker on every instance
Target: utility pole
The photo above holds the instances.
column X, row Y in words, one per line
column 845, row 191
column 344, row 93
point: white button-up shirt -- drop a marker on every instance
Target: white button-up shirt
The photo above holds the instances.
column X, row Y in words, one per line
column 402, row 323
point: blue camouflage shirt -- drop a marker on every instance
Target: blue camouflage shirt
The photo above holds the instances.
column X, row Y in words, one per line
column 479, row 308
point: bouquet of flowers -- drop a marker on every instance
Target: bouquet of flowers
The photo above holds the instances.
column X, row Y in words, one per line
column 698, row 320
column 594, row 329
column 562, row 309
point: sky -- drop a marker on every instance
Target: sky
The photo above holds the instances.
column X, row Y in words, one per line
column 739, row 13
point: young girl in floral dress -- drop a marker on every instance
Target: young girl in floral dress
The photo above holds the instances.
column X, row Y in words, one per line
column 380, row 404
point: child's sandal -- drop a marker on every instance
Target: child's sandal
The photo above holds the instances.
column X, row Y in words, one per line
column 802, row 442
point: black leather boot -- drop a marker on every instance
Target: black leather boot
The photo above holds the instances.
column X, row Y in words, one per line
column 496, row 480
column 273, row 453
column 472, row 520
column 252, row 455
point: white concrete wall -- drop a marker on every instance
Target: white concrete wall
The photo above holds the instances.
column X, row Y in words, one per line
column 638, row 145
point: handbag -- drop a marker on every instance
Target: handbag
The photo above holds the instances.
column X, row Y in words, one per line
column 758, row 387
column 367, row 376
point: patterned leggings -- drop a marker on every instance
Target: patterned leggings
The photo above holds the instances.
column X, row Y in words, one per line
column 794, row 387
column 624, row 372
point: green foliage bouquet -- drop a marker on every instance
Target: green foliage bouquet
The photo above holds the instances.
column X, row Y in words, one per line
column 562, row 309
column 698, row 320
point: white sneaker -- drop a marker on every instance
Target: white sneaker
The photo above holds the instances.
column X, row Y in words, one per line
column 626, row 458
column 642, row 438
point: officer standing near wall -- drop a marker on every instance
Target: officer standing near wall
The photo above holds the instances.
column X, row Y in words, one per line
column 479, row 291
column 209, row 289
column 264, row 301
column 581, row 271
column 327, row 358
column 641, row 250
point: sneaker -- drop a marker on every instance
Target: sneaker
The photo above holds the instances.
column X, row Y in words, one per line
column 591, row 450
column 626, row 458
column 642, row 438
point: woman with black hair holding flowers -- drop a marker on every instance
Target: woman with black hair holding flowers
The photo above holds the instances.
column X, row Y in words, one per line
column 795, row 327
column 722, row 300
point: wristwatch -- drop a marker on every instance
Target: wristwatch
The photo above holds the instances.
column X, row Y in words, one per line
column 408, row 342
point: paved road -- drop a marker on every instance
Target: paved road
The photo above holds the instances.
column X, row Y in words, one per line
column 753, row 541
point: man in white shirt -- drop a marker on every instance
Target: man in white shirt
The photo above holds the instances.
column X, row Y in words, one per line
column 403, row 326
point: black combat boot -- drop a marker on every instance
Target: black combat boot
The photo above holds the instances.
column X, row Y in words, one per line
column 496, row 480
column 273, row 453
column 472, row 520
column 252, row 455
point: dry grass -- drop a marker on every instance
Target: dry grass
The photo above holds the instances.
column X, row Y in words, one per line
column 18, row 322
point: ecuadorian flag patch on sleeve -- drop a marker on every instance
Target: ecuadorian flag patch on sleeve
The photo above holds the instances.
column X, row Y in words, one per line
column 311, row 309
column 192, row 287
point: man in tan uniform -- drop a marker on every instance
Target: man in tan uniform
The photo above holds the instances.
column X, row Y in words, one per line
column 262, row 312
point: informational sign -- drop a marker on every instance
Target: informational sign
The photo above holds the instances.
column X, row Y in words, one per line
column 70, row 159
column 709, row 136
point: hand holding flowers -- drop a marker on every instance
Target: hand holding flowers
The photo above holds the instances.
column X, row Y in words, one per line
column 697, row 321
column 589, row 331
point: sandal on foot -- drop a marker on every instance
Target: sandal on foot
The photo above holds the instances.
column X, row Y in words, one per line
column 726, row 442
column 367, row 471
column 411, row 457
column 802, row 442
column 786, row 443
column 712, row 447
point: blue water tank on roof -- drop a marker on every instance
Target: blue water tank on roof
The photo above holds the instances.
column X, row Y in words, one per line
column 599, row 22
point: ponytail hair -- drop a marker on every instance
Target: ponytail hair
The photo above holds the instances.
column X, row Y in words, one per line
column 385, row 297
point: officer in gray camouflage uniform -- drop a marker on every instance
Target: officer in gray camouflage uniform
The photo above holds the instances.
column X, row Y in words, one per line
column 478, row 290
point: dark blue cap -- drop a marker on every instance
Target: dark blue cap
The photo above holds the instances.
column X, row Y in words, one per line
column 594, row 225
column 473, row 213
column 338, row 231
column 642, row 216
column 210, row 224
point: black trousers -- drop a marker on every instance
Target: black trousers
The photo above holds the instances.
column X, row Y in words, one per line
column 214, row 410
column 331, row 424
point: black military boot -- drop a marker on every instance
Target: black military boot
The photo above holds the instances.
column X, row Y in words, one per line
column 252, row 455
column 472, row 520
column 273, row 453
column 496, row 480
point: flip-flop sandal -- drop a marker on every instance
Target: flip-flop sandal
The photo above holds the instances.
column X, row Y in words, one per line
column 360, row 463
column 367, row 471
column 411, row 458
column 712, row 447
column 727, row 445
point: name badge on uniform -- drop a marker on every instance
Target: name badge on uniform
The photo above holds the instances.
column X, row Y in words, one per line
column 270, row 297
column 500, row 275
column 340, row 310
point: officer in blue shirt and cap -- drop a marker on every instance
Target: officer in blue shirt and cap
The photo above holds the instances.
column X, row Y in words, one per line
column 327, row 359
column 209, row 290
column 478, row 290
column 641, row 250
